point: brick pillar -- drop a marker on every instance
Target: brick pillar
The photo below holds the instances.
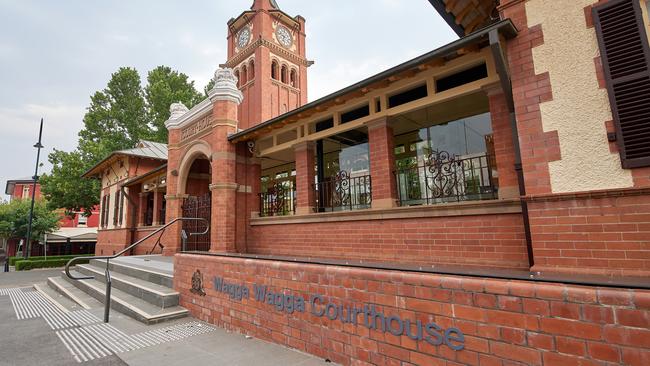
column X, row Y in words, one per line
column 174, row 198
column 172, row 238
column 382, row 164
column 248, row 179
column 504, row 152
column 305, row 175
column 225, row 98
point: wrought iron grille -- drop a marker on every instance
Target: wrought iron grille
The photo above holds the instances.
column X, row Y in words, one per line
column 446, row 178
column 278, row 200
column 197, row 207
column 342, row 192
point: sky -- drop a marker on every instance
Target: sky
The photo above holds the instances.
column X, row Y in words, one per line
column 55, row 54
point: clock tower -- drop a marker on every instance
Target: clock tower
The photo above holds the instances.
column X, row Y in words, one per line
column 266, row 50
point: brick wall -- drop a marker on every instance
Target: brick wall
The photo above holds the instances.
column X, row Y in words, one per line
column 482, row 240
column 597, row 232
column 112, row 241
column 503, row 322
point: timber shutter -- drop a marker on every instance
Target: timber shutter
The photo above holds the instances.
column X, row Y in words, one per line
column 626, row 59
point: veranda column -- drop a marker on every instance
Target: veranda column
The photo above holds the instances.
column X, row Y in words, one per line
column 305, row 195
column 156, row 208
column 382, row 164
column 225, row 98
column 142, row 208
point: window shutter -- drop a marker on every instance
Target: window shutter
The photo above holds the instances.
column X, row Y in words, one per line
column 626, row 59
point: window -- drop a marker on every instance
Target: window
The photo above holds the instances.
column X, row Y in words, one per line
column 283, row 74
column 274, row 70
column 116, row 208
column 251, row 70
column 407, row 96
column 121, row 211
column 461, row 78
column 625, row 53
column 244, row 75
column 294, row 78
column 82, row 221
column 355, row 114
column 325, row 124
column 148, row 217
column 25, row 191
column 447, row 162
column 104, row 213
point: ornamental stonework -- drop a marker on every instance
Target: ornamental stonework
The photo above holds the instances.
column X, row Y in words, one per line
column 194, row 129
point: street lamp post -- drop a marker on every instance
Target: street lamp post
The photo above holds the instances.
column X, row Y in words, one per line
column 38, row 146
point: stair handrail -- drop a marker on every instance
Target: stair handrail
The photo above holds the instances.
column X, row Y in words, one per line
column 161, row 230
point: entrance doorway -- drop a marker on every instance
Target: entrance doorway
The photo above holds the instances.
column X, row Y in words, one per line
column 198, row 204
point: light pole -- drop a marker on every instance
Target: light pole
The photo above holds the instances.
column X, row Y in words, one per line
column 27, row 247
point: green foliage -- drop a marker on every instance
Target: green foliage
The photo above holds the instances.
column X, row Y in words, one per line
column 117, row 119
column 164, row 87
column 13, row 260
column 14, row 219
column 64, row 188
column 208, row 87
column 26, row 265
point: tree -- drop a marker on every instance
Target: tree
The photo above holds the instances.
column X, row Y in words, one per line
column 64, row 188
column 119, row 116
column 5, row 224
column 164, row 87
column 14, row 220
column 208, row 87
column 116, row 118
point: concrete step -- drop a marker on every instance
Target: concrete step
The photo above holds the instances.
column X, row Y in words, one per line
column 126, row 303
column 152, row 293
column 61, row 301
column 146, row 274
column 70, row 292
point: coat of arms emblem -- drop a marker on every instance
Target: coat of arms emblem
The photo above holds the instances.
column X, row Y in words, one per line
column 197, row 283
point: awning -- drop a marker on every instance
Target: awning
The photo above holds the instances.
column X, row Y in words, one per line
column 75, row 234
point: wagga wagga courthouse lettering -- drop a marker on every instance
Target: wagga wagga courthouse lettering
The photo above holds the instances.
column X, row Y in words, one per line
column 194, row 129
column 366, row 315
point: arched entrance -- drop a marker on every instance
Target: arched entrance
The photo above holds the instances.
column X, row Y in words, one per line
column 198, row 203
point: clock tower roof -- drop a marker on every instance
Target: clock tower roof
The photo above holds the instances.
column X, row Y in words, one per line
column 265, row 5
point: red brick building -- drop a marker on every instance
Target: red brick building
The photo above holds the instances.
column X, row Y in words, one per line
column 518, row 154
column 132, row 201
column 76, row 235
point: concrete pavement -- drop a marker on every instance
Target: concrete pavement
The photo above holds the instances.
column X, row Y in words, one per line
column 54, row 337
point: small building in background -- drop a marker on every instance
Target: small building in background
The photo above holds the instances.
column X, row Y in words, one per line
column 76, row 235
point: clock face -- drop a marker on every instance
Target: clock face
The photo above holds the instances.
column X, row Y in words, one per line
column 284, row 36
column 243, row 37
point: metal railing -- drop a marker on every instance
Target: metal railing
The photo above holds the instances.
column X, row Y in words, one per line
column 342, row 192
column 278, row 200
column 446, row 178
column 107, row 273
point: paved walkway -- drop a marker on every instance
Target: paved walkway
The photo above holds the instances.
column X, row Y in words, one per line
column 44, row 328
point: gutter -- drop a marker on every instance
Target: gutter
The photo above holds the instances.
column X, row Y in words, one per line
column 506, row 85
